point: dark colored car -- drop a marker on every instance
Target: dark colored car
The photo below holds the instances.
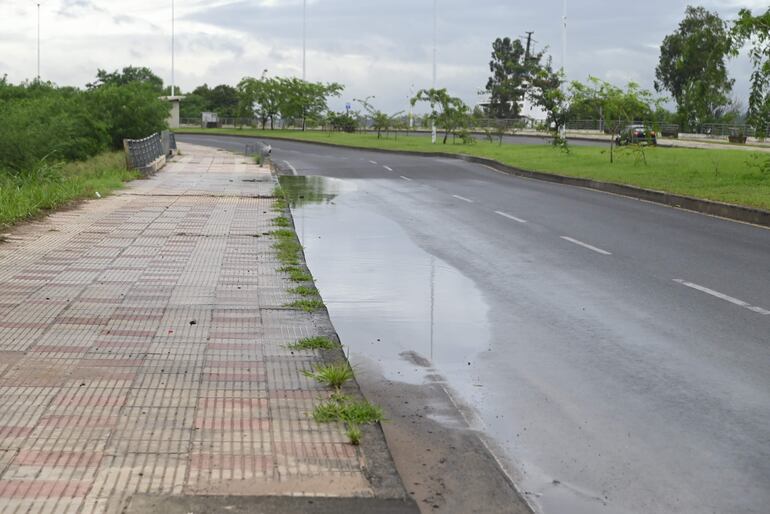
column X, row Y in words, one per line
column 636, row 134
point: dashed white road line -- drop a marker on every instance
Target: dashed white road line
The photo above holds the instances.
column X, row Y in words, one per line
column 723, row 296
column 388, row 168
column 293, row 169
column 406, row 178
column 373, row 162
column 506, row 215
column 585, row 245
column 463, row 198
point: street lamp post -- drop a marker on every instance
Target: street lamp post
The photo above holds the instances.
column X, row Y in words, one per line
column 173, row 50
column 304, row 39
column 435, row 50
column 38, row 41
column 564, row 69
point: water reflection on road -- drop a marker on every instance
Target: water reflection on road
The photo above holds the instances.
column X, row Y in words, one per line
column 391, row 302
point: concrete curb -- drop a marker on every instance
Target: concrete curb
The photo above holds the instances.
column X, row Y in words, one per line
column 710, row 207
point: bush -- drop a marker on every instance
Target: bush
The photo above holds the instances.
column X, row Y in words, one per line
column 130, row 111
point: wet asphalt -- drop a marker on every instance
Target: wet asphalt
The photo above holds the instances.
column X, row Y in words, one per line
column 621, row 361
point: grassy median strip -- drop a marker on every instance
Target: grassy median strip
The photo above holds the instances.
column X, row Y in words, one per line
column 26, row 194
column 732, row 176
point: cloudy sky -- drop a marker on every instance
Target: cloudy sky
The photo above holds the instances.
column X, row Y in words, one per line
column 374, row 47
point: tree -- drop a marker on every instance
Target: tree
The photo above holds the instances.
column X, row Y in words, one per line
column 512, row 66
column 756, row 30
column 130, row 111
column 305, row 100
column 128, row 75
column 380, row 121
column 692, row 66
column 617, row 107
column 448, row 112
column 546, row 92
column 262, row 97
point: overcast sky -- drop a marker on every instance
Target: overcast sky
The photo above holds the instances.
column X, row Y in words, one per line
column 374, row 47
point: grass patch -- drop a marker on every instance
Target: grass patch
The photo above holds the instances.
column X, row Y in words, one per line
column 723, row 175
column 283, row 234
column 29, row 193
column 288, row 251
column 306, row 304
column 354, row 434
column 304, row 291
column 356, row 413
column 314, row 343
column 281, row 221
column 332, row 375
column 296, row 274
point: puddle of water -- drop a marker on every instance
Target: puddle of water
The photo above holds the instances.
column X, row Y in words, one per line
column 390, row 301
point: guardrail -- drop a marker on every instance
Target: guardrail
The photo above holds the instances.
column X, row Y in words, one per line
column 148, row 155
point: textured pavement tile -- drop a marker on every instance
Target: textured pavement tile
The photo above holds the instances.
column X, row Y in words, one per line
column 143, row 350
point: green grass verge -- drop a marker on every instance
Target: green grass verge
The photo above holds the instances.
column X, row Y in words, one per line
column 29, row 194
column 304, row 291
column 731, row 176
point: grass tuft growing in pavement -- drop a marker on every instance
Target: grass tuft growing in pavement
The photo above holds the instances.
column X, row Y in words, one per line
column 296, row 274
column 281, row 221
column 340, row 408
column 314, row 343
column 332, row 375
column 304, row 291
column 354, row 434
column 306, row 304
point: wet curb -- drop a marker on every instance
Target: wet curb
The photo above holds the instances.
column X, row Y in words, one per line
column 710, row 207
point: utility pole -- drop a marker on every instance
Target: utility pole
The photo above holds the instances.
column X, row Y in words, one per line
column 529, row 46
column 304, row 40
column 173, row 50
column 435, row 50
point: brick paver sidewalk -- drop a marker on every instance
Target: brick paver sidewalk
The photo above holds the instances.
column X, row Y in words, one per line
column 142, row 350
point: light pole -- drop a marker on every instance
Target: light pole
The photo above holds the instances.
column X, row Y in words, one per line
column 564, row 70
column 38, row 41
column 173, row 56
column 304, row 40
column 435, row 50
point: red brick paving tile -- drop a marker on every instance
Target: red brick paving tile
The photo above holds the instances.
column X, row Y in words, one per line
column 43, row 489
column 8, row 432
column 77, row 421
column 230, row 462
column 58, row 459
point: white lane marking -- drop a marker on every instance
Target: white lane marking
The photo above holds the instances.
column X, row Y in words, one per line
column 388, row 168
column 373, row 162
column 584, row 245
column 406, row 178
column 293, row 169
column 463, row 198
column 506, row 215
column 722, row 296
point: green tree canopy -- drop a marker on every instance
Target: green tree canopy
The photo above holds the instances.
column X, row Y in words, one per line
column 692, row 66
column 128, row 75
column 512, row 68
column 756, row 31
column 448, row 112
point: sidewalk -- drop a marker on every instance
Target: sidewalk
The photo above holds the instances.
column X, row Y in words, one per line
column 143, row 355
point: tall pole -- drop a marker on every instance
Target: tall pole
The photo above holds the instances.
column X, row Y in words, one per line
column 435, row 50
column 564, row 70
column 304, row 39
column 173, row 50
column 38, row 41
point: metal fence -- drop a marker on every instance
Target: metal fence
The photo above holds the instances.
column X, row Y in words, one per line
column 149, row 154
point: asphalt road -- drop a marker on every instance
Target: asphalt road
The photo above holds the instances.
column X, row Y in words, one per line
column 626, row 346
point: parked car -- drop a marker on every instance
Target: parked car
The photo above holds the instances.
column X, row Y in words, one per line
column 636, row 134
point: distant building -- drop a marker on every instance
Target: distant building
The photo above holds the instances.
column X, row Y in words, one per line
column 173, row 117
